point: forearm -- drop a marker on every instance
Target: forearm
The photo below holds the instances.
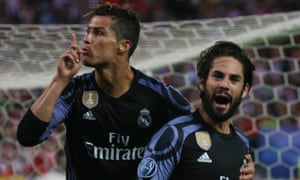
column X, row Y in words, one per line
column 30, row 129
column 43, row 107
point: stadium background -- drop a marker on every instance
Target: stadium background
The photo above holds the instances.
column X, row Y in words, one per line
column 33, row 33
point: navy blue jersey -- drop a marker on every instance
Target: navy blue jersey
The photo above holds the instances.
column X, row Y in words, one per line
column 105, row 136
column 188, row 148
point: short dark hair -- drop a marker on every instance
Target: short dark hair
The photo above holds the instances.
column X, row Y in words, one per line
column 125, row 21
column 224, row 48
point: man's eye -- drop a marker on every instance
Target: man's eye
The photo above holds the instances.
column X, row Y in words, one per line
column 97, row 32
column 218, row 76
column 235, row 78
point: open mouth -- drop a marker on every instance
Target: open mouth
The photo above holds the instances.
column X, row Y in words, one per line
column 222, row 100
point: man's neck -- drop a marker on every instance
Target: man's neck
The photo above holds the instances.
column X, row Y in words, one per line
column 114, row 82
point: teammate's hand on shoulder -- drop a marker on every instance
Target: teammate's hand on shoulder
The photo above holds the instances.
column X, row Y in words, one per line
column 248, row 172
column 69, row 62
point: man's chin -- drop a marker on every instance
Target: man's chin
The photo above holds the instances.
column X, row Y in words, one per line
column 221, row 111
column 220, row 115
column 86, row 63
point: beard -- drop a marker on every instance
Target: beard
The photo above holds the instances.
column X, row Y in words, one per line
column 219, row 116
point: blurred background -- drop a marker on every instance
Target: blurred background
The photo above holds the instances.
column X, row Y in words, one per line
column 33, row 33
column 69, row 12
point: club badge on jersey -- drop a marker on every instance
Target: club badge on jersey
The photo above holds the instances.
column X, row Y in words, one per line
column 144, row 120
column 90, row 99
column 203, row 140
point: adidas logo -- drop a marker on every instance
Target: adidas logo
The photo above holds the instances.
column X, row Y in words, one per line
column 204, row 158
column 89, row 116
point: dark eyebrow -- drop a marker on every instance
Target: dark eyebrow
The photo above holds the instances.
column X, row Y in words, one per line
column 95, row 27
column 234, row 76
column 216, row 72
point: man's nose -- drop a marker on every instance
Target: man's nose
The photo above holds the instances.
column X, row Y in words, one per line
column 87, row 38
column 224, row 83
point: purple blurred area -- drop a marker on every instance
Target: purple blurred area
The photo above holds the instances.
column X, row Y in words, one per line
column 70, row 12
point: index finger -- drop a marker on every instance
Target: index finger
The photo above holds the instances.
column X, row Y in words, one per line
column 248, row 157
column 74, row 39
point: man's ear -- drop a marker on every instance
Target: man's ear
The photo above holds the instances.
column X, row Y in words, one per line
column 124, row 46
column 201, row 84
column 245, row 90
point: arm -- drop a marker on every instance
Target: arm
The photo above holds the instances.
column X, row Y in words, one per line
column 163, row 153
column 160, row 157
column 36, row 121
column 68, row 65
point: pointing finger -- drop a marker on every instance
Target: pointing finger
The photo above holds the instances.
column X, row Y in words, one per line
column 75, row 47
column 74, row 40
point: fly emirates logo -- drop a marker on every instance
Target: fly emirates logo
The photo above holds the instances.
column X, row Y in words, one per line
column 113, row 152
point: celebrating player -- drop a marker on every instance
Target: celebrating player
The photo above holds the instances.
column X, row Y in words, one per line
column 110, row 113
column 205, row 145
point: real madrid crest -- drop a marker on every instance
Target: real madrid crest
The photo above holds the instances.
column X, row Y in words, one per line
column 203, row 140
column 90, row 99
column 144, row 120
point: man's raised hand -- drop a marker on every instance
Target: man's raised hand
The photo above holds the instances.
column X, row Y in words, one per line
column 69, row 62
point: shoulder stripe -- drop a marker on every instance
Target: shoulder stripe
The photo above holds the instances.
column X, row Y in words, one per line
column 169, row 140
column 181, row 120
column 163, row 90
column 244, row 139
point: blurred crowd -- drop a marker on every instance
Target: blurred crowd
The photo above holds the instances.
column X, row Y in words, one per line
column 70, row 11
